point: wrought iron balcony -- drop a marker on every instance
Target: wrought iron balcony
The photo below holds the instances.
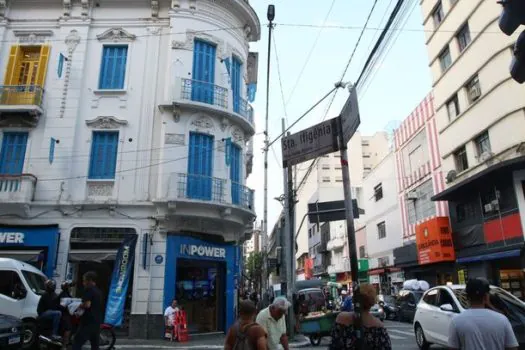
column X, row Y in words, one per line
column 210, row 189
column 213, row 96
column 20, row 101
column 17, row 189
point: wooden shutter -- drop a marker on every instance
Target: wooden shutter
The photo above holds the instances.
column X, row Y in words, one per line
column 12, row 155
column 13, row 66
column 42, row 66
column 103, row 160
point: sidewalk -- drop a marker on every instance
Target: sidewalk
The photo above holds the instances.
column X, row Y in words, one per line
column 205, row 341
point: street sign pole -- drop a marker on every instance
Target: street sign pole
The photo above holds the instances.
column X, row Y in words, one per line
column 348, row 122
column 290, row 256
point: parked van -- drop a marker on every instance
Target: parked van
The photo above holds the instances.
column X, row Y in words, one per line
column 21, row 286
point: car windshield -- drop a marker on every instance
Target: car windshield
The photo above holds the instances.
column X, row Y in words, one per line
column 418, row 296
column 36, row 282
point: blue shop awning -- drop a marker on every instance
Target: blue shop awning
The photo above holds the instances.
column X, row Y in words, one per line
column 492, row 256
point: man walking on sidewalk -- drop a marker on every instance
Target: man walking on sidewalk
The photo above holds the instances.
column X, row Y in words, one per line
column 92, row 317
column 480, row 328
column 245, row 334
column 273, row 321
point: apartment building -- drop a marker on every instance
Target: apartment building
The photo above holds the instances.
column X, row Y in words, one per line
column 121, row 119
column 479, row 116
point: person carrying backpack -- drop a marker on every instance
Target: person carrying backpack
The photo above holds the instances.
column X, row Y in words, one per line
column 245, row 334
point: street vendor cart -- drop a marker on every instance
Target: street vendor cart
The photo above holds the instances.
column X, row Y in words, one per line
column 317, row 325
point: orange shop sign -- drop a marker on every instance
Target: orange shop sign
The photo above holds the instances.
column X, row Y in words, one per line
column 434, row 241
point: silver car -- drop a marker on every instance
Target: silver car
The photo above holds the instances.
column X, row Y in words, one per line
column 378, row 312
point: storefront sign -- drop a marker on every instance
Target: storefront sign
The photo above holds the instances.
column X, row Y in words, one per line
column 120, row 281
column 12, row 238
column 374, row 279
column 202, row 250
column 397, row 277
column 434, row 241
column 362, row 265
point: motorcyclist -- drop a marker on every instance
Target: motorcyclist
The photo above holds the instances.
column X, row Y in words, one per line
column 48, row 308
column 66, row 317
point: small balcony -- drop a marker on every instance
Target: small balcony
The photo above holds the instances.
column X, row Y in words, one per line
column 199, row 188
column 336, row 243
column 215, row 98
column 17, row 189
column 20, row 105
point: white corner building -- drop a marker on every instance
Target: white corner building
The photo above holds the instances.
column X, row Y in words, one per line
column 122, row 118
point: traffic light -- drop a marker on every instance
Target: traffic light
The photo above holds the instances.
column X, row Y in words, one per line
column 512, row 16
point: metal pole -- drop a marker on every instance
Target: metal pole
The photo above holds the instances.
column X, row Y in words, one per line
column 285, row 275
column 350, row 229
column 290, row 248
column 271, row 16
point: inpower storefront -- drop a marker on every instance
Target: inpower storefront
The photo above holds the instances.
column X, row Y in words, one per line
column 203, row 277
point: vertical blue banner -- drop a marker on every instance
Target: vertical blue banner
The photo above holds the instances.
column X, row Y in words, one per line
column 61, row 59
column 227, row 63
column 120, row 282
column 52, row 143
column 227, row 151
column 251, row 91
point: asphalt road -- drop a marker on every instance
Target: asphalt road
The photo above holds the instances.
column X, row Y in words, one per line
column 401, row 335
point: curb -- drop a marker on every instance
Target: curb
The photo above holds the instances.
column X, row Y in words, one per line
column 295, row 345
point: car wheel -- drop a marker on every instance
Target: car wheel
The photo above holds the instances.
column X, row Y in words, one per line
column 29, row 335
column 420, row 338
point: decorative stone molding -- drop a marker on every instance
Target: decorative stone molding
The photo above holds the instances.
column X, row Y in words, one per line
column 100, row 189
column 154, row 30
column 85, row 8
column 14, row 122
column 237, row 134
column 67, row 7
column 32, row 36
column 154, row 8
column 193, row 4
column 106, row 122
column 247, row 31
column 3, row 7
column 72, row 40
column 116, row 35
column 176, row 113
column 175, row 4
column 120, row 96
column 174, row 139
column 224, row 124
column 192, row 35
column 202, row 123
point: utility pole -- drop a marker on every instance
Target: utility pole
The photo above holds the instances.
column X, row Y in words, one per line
column 270, row 14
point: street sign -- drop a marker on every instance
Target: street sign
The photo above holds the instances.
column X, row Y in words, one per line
column 350, row 116
column 331, row 211
column 310, row 143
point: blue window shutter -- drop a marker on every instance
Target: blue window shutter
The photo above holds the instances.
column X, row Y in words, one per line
column 200, row 166
column 203, row 72
column 104, row 148
column 113, row 67
column 13, row 152
column 236, row 84
column 235, row 173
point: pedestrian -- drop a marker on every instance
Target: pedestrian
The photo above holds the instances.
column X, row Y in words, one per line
column 480, row 328
column 273, row 321
column 347, row 302
column 169, row 313
column 91, row 318
column 246, row 334
column 374, row 333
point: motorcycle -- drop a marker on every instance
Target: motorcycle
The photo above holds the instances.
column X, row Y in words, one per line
column 107, row 336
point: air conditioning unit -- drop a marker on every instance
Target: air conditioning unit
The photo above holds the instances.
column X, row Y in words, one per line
column 488, row 207
column 483, row 157
column 474, row 93
column 412, row 195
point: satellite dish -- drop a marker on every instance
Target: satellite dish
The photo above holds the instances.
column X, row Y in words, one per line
column 451, row 176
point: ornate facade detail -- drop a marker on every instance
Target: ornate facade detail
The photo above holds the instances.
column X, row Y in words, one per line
column 175, row 4
column 3, row 7
column 32, row 36
column 16, row 122
column 174, row 139
column 116, row 35
column 224, row 124
column 154, row 30
column 85, row 8
column 237, row 135
column 247, row 31
column 176, row 113
column 154, row 8
column 67, row 7
column 202, row 123
column 122, row 99
column 193, row 4
column 72, row 40
column 252, row 67
column 106, row 123
column 192, row 35
column 100, row 189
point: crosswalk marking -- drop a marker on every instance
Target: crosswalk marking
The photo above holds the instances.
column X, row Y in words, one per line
column 401, row 332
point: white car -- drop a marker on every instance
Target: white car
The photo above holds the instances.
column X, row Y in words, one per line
column 440, row 304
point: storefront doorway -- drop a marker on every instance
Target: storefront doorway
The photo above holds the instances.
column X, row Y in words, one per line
column 200, row 288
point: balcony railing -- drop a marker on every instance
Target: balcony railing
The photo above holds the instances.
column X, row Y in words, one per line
column 215, row 95
column 200, row 91
column 17, row 188
column 212, row 189
column 18, row 95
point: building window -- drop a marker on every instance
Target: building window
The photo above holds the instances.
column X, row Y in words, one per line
column 381, row 230
column 365, row 143
column 453, row 108
column 13, row 152
column 326, row 179
column 463, row 37
column 461, row 160
column 200, row 183
column 483, row 144
column 423, row 207
column 310, row 232
column 366, row 155
column 444, row 59
column 338, row 179
column 338, row 167
column 9, row 280
column 337, row 155
column 438, row 14
column 465, row 211
column 362, row 252
column 473, row 89
column 326, row 166
column 378, row 192
column 236, row 81
column 202, row 86
column 103, row 159
column 383, row 261
column 113, row 67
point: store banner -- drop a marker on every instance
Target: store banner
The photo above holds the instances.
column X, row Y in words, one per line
column 120, row 281
column 434, row 241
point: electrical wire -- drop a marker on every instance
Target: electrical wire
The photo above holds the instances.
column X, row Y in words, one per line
column 279, row 77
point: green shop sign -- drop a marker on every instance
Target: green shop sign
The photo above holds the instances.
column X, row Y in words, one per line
column 362, row 265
